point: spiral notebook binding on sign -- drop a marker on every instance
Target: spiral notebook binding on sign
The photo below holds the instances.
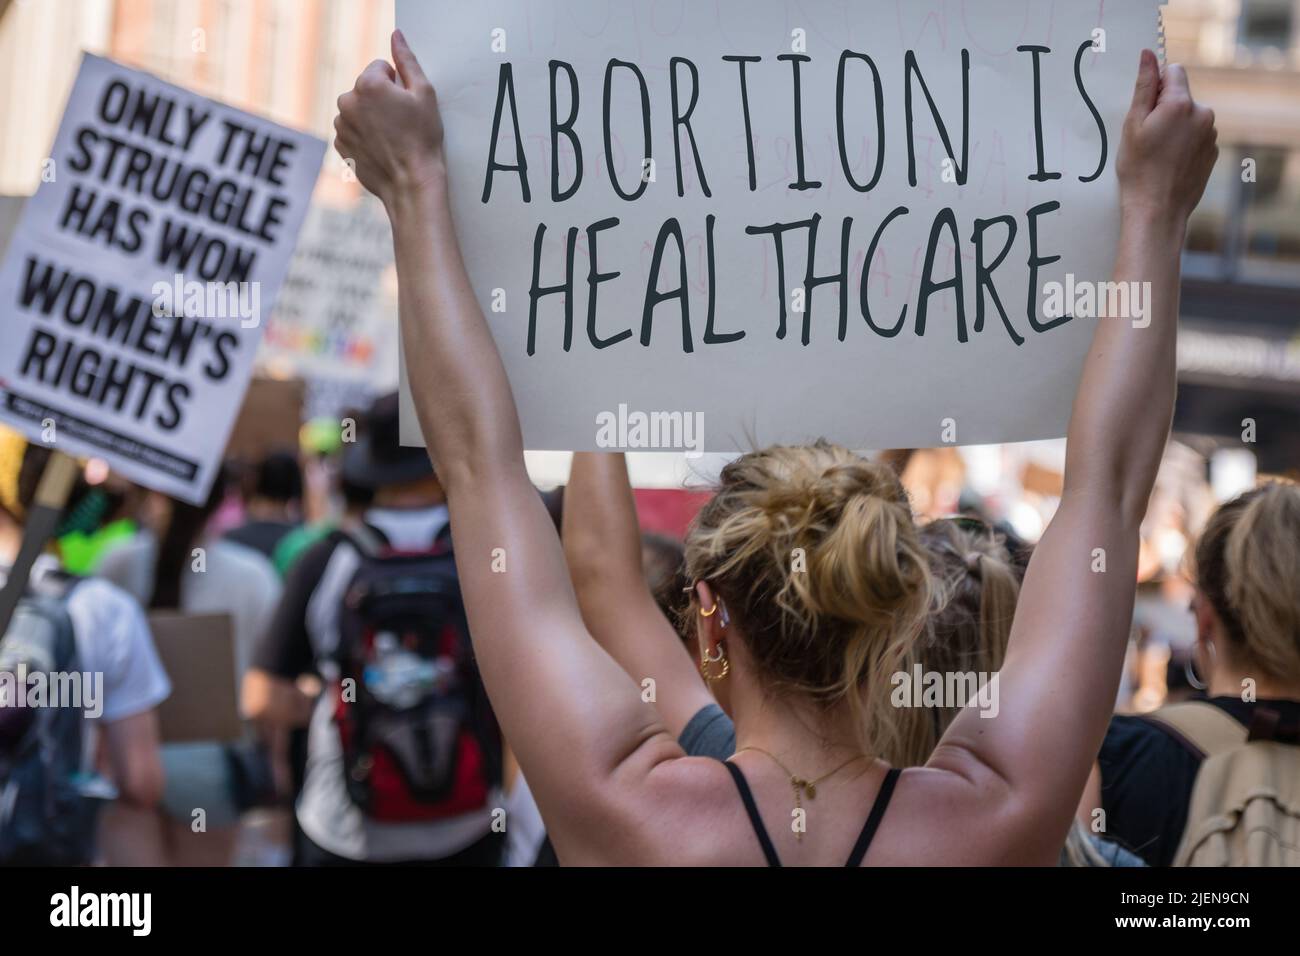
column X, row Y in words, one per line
column 1160, row 35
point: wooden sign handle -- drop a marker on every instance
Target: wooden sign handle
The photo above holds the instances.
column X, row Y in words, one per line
column 57, row 481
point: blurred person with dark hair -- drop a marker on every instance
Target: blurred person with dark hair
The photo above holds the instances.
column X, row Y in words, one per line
column 99, row 517
column 113, row 639
column 188, row 570
column 296, row 543
column 273, row 506
column 404, row 756
column 330, row 500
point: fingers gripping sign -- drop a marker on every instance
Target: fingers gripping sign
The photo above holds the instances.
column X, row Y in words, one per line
column 388, row 127
column 1170, row 142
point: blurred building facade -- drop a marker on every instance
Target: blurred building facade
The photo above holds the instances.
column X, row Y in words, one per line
column 284, row 59
column 1240, row 351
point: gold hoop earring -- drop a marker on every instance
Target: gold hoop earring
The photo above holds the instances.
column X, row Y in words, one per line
column 710, row 612
column 706, row 659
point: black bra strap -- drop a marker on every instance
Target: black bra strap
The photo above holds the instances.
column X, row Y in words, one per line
column 747, row 798
column 873, row 821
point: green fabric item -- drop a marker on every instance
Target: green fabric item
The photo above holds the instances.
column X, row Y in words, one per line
column 81, row 551
column 296, row 543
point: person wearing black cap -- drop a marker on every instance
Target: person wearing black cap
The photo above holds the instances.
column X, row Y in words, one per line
column 272, row 505
column 387, row 781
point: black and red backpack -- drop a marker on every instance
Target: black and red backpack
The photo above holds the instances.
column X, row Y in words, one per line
column 419, row 739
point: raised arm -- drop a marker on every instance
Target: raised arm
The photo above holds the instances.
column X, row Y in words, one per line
column 602, row 544
column 1057, row 688
column 583, row 735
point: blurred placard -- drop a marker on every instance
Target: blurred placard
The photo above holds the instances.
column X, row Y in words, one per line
column 198, row 653
column 269, row 419
column 333, row 316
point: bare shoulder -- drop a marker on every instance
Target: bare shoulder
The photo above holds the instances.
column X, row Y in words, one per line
column 665, row 809
column 670, row 810
column 958, row 811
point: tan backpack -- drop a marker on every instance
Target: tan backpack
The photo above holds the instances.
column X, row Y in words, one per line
column 1245, row 807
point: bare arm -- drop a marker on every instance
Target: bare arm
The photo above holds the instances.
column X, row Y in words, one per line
column 602, row 545
column 130, row 829
column 273, row 701
column 576, row 721
column 1058, row 685
column 131, row 750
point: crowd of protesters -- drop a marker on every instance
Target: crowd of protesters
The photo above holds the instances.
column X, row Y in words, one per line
column 442, row 665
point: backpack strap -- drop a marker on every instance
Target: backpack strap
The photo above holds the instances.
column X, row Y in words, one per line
column 1201, row 727
column 1266, row 724
column 442, row 540
column 365, row 539
column 54, row 583
column 372, row 544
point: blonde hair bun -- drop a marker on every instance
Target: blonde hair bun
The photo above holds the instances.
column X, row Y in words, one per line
column 815, row 552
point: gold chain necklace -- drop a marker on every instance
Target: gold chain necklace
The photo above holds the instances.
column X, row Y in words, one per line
column 802, row 785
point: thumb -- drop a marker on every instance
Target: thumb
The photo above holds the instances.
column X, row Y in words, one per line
column 1175, row 86
column 408, row 67
column 1148, row 86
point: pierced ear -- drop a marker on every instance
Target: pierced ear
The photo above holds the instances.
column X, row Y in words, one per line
column 1208, row 625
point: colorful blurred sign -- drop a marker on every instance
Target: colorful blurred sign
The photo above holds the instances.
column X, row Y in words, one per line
column 333, row 316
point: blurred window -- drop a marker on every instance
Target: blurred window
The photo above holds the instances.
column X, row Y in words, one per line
column 1266, row 24
column 1247, row 226
column 1271, row 210
column 1209, row 229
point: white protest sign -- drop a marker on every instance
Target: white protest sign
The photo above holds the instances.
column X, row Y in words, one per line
column 333, row 320
column 637, row 186
column 133, row 292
